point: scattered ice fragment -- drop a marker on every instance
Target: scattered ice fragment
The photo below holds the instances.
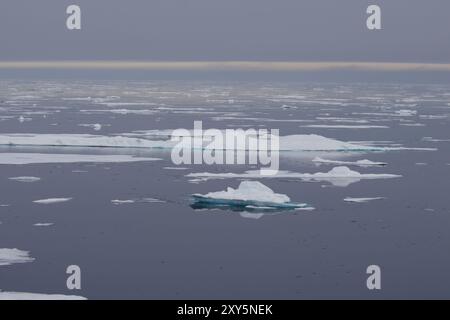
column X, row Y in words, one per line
column 36, row 296
column 41, row 158
column 309, row 142
column 406, row 112
column 362, row 200
column 25, row 179
column 338, row 176
column 95, row 126
column 250, row 195
column 361, row 163
column 11, row 256
column 118, row 202
column 52, row 200
column 46, row 224
column 141, row 200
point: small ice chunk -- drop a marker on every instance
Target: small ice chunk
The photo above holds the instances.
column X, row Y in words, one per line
column 25, row 179
column 95, row 126
column 46, row 224
column 361, row 163
column 362, row 200
column 36, row 296
column 52, row 200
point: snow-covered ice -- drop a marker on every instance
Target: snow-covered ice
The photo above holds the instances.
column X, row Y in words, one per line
column 298, row 142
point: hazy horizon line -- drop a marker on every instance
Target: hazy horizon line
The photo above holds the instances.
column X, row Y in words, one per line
column 285, row 66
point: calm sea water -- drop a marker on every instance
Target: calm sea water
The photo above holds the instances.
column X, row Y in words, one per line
column 166, row 249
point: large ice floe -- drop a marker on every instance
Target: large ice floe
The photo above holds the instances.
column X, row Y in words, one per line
column 45, row 158
column 338, row 176
column 309, row 142
column 36, row 296
column 12, row 256
column 249, row 196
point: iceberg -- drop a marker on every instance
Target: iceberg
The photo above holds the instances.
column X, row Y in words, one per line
column 11, row 256
column 338, row 176
column 250, row 195
column 360, row 163
column 52, row 200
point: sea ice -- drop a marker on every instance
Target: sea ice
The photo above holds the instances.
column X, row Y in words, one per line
column 297, row 142
column 25, row 179
column 40, row 158
column 11, row 256
column 362, row 200
column 36, row 296
column 360, row 163
column 338, row 176
column 52, row 200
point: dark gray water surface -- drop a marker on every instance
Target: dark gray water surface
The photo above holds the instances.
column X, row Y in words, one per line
column 168, row 250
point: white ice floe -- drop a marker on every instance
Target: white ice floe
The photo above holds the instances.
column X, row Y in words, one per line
column 45, row 224
column 330, row 126
column 12, row 256
column 25, row 179
column 250, row 194
column 36, row 296
column 52, row 200
column 309, row 142
column 406, row 112
column 39, row 158
column 338, row 176
column 431, row 139
column 360, row 163
column 362, row 200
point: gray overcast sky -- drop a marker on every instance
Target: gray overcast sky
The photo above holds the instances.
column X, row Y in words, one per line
column 296, row 30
